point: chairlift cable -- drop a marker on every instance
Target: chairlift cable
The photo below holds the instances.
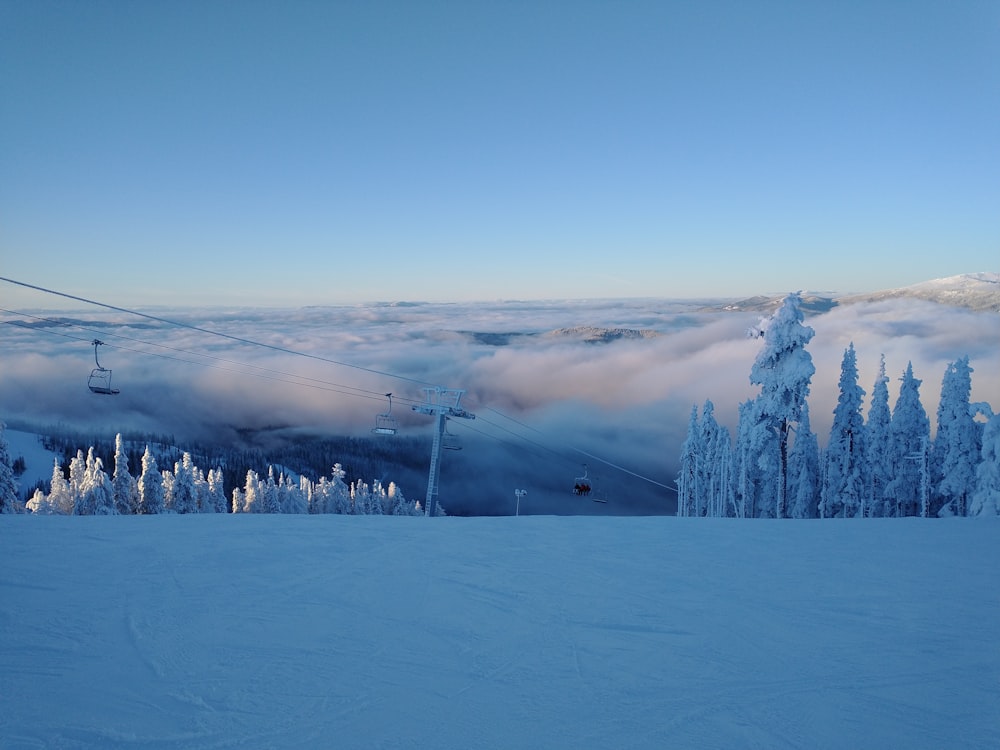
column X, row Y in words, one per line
column 285, row 350
column 297, row 377
column 580, row 450
column 317, row 384
column 229, row 336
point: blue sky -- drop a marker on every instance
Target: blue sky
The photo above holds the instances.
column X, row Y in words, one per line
column 324, row 153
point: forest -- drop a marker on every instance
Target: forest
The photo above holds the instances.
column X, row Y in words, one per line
column 96, row 476
column 885, row 466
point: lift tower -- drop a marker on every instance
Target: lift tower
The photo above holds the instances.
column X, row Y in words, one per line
column 442, row 404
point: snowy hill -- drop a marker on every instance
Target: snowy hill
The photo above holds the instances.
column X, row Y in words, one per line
column 976, row 291
column 250, row 631
column 38, row 460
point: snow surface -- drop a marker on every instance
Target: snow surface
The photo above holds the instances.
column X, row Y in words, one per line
column 534, row 632
column 37, row 459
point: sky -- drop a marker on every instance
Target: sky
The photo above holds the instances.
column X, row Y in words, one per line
column 260, row 631
column 279, row 154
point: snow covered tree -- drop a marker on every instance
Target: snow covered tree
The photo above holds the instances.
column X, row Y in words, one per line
column 909, row 439
column 168, row 478
column 184, row 493
column 215, row 500
column 77, row 471
column 361, row 498
column 124, row 488
column 400, row 505
column 150, row 486
column 96, row 493
column 844, row 481
column 754, row 463
column 713, row 465
column 269, row 499
column 40, row 504
column 291, row 497
column 60, row 497
column 253, row 493
column 879, row 433
column 687, row 479
column 804, row 471
column 239, row 502
column 956, row 449
column 9, row 501
column 985, row 500
column 783, row 370
column 720, row 486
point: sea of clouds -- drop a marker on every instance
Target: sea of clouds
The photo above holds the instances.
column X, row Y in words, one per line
column 547, row 397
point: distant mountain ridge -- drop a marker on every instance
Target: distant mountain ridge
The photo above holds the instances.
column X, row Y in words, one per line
column 974, row 291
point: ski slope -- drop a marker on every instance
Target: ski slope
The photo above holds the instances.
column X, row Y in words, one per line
column 256, row 631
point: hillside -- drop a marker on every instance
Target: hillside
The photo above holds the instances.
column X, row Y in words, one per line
column 975, row 291
column 250, row 631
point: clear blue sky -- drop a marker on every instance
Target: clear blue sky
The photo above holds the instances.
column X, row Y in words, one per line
column 332, row 152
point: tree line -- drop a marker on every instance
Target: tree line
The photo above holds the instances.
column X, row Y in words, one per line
column 86, row 488
column 885, row 466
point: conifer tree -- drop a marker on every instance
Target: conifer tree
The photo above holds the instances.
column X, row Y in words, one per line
column 956, row 448
column 184, row 494
column 151, row 500
column 77, row 471
column 340, row 493
column 269, row 500
column 985, row 500
column 687, row 479
column 783, row 370
column 253, row 493
column 879, row 431
column 910, row 440
column 60, row 497
column 804, row 471
column 96, row 496
column 9, row 501
column 753, row 461
column 216, row 493
column 124, row 488
column 846, row 453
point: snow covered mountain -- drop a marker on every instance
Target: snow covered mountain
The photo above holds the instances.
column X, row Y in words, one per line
column 976, row 291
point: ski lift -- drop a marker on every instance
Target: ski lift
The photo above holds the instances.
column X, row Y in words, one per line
column 449, row 441
column 100, row 377
column 581, row 486
column 598, row 495
column 386, row 424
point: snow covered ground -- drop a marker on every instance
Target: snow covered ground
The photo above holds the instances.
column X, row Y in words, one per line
column 37, row 460
column 251, row 631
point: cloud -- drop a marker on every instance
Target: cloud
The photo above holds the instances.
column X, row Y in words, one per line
column 545, row 400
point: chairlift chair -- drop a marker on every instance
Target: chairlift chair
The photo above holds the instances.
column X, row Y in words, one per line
column 581, row 486
column 598, row 495
column 449, row 441
column 100, row 377
column 386, row 424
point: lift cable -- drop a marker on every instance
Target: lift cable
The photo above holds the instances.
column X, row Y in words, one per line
column 578, row 450
column 215, row 333
column 321, row 359
column 323, row 385
column 296, row 378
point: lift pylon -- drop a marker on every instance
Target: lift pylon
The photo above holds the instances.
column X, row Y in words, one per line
column 442, row 404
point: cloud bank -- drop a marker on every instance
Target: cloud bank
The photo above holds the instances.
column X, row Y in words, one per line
column 547, row 399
